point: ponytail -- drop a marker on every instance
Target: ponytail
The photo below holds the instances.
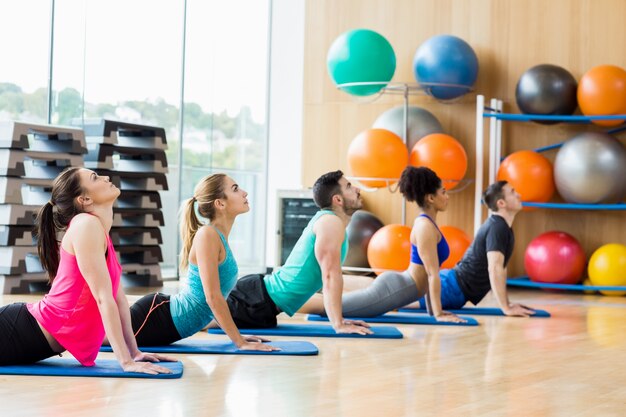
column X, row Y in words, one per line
column 189, row 226
column 209, row 189
column 54, row 216
column 47, row 244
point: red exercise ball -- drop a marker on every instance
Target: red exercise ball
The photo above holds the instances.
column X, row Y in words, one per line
column 377, row 153
column 530, row 173
column 390, row 248
column 602, row 91
column 458, row 241
column 444, row 155
column 555, row 257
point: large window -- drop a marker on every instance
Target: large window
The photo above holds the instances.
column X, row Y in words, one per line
column 24, row 42
column 122, row 60
column 225, row 108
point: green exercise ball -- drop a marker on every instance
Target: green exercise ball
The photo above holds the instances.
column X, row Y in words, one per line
column 361, row 55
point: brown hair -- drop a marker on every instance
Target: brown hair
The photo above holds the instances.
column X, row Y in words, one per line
column 209, row 189
column 54, row 216
column 325, row 188
column 493, row 193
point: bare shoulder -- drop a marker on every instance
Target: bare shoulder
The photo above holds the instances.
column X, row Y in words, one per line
column 85, row 220
column 329, row 219
column 207, row 246
column 206, row 231
column 423, row 225
column 206, row 235
column 85, row 235
column 328, row 223
column 86, row 225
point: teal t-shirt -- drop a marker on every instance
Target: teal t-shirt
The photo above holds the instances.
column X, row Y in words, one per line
column 189, row 309
column 301, row 276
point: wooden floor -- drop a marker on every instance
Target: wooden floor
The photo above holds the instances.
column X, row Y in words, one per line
column 572, row 364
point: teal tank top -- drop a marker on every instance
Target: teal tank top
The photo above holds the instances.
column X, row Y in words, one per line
column 190, row 311
column 296, row 281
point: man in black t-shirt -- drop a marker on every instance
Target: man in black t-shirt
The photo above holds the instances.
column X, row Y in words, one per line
column 483, row 267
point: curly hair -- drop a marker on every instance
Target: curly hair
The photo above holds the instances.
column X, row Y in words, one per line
column 416, row 183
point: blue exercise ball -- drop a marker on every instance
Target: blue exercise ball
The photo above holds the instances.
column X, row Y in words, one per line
column 361, row 55
column 548, row 90
column 446, row 59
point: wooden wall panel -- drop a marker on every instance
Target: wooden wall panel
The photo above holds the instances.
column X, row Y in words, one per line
column 509, row 36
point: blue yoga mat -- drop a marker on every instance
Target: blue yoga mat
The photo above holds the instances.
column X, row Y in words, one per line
column 318, row 330
column 478, row 311
column 295, row 348
column 109, row 368
column 401, row 318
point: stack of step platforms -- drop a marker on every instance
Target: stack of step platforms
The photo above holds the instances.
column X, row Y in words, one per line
column 133, row 156
column 31, row 156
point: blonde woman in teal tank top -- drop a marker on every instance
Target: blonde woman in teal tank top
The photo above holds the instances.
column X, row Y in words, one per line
column 159, row 319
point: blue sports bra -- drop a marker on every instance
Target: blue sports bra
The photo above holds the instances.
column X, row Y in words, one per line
column 443, row 250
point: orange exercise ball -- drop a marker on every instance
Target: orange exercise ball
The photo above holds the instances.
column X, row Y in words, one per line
column 458, row 241
column 377, row 153
column 602, row 91
column 390, row 248
column 444, row 155
column 530, row 173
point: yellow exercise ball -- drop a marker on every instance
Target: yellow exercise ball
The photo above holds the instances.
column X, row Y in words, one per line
column 607, row 267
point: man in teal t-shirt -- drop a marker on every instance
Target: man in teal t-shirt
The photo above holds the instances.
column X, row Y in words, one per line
column 314, row 263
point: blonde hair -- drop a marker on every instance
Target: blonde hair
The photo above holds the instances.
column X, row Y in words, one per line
column 209, row 189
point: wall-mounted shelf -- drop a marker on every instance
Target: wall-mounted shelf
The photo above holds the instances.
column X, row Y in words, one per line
column 524, row 281
column 495, row 115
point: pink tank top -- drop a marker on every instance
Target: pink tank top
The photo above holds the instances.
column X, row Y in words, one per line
column 69, row 311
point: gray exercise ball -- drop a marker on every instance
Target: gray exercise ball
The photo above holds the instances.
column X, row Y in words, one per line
column 591, row 168
column 548, row 90
column 421, row 123
column 360, row 230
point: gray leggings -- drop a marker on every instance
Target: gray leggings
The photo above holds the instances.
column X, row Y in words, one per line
column 389, row 291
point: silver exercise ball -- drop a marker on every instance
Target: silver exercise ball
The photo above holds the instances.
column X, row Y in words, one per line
column 421, row 123
column 360, row 230
column 591, row 168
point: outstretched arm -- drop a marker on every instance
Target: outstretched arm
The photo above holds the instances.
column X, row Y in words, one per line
column 207, row 248
column 497, row 278
column 88, row 244
column 425, row 235
column 330, row 233
column 129, row 336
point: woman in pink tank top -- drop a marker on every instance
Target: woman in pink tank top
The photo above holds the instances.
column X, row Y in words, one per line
column 86, row 299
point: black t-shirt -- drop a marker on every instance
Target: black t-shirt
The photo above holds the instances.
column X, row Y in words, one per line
column 472, row 271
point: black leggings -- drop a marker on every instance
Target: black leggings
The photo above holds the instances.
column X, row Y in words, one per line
column 152, row 321
column 21, row 338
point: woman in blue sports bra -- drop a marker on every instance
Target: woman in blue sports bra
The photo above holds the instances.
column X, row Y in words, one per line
column 429, row 249
column 160, row 319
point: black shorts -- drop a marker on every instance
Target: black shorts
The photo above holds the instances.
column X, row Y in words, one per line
column 250, row 304
column 158, row 327
column 21, row 338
